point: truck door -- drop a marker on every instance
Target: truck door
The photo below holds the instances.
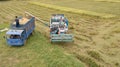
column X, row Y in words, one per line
column 23, row 36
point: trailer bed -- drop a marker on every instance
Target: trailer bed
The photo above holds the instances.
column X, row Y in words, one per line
column 22, row 21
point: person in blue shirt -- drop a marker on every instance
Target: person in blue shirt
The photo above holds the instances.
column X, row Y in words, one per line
column 17, row 21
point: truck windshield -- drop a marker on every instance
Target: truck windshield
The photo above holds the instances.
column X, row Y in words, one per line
column 13, row 37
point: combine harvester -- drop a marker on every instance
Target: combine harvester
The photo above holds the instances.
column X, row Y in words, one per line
column 59, row 29
column 17, row 36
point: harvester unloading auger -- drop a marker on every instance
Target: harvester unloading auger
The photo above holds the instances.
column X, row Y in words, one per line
column 58, row 28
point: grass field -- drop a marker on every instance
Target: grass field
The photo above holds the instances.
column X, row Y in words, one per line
column 97, row 40
column 112, row 1
column 38, row 53
column 89, row 5
column 72, row 10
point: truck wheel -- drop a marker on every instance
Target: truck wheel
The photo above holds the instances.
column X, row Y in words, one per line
column 31, row 33
column 24, row 43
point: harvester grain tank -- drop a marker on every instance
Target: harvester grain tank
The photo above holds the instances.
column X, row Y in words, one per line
column 17, row 36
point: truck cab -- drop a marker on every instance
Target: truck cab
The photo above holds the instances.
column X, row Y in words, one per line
column 15, row 37
column 18, row 34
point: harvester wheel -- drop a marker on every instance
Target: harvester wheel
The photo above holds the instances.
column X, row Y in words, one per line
column 51, row 42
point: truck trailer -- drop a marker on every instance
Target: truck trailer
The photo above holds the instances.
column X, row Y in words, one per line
column 17, row 36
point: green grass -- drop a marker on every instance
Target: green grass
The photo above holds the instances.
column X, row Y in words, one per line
column 87, row 60
column 2, row 26
column 38, row 52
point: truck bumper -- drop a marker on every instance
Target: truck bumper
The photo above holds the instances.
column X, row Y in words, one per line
column 15, row 44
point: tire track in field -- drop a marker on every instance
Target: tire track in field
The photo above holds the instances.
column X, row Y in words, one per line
column 3, row 13
column 7, row 13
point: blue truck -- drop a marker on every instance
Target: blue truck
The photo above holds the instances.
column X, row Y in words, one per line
column 17, row 36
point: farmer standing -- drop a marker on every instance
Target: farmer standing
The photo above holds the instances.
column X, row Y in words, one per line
column 17, row 21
